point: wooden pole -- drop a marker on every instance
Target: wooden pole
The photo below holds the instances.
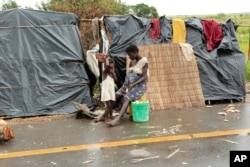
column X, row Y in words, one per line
column 249, row 45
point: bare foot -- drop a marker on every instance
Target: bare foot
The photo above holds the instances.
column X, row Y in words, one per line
column 100, row 119
column 113, row 122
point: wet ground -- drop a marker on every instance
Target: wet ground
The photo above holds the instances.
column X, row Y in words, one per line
column 195, row 137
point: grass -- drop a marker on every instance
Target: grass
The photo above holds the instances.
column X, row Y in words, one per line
column 243, row 39
column 243, row 36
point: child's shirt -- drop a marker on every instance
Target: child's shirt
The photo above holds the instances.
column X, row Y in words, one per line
column 108, row 89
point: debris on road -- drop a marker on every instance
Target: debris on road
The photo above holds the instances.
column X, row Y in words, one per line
column 142, row 159
column 172, row 154
column 231, row 141
column 84, row 110
column 88, row 161
column 53, row 163
column 231, row 109
column 225, row 120
column 221, row 113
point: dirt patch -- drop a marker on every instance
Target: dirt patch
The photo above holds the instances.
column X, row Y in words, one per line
column 64, row 116
column 38, row 119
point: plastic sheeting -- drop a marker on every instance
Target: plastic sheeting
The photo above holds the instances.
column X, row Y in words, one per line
column 222, row 71
column 41, row 64
column 129, row 29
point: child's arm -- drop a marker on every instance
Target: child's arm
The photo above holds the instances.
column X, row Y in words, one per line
column 114, row 76
column 104, row 75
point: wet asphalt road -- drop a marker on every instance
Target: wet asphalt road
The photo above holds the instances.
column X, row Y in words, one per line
column 193, row 137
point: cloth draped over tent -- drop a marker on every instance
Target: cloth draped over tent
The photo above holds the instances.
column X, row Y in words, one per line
column 41, row 63
column 179, row 30
column 221, row 69
column 155, row 29
column 213, row 33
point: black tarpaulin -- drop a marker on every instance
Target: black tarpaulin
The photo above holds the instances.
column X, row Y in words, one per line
column 129, row 29
column 42, row 67
column 222, row 71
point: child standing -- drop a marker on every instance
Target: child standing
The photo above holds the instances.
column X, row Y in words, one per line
column 108, row 90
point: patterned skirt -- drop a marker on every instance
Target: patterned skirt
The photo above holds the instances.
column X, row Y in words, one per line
column 137, row 91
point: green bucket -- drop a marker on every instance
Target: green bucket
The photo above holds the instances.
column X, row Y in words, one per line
column 140, row 111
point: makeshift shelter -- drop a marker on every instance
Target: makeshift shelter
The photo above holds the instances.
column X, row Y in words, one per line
column 42, row 66
column 221, row 66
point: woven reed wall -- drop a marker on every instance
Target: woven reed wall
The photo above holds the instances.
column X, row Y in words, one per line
column 174, row 82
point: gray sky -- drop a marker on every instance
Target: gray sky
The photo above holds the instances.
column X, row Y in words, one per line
column 192, row 7
column 180, row 7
